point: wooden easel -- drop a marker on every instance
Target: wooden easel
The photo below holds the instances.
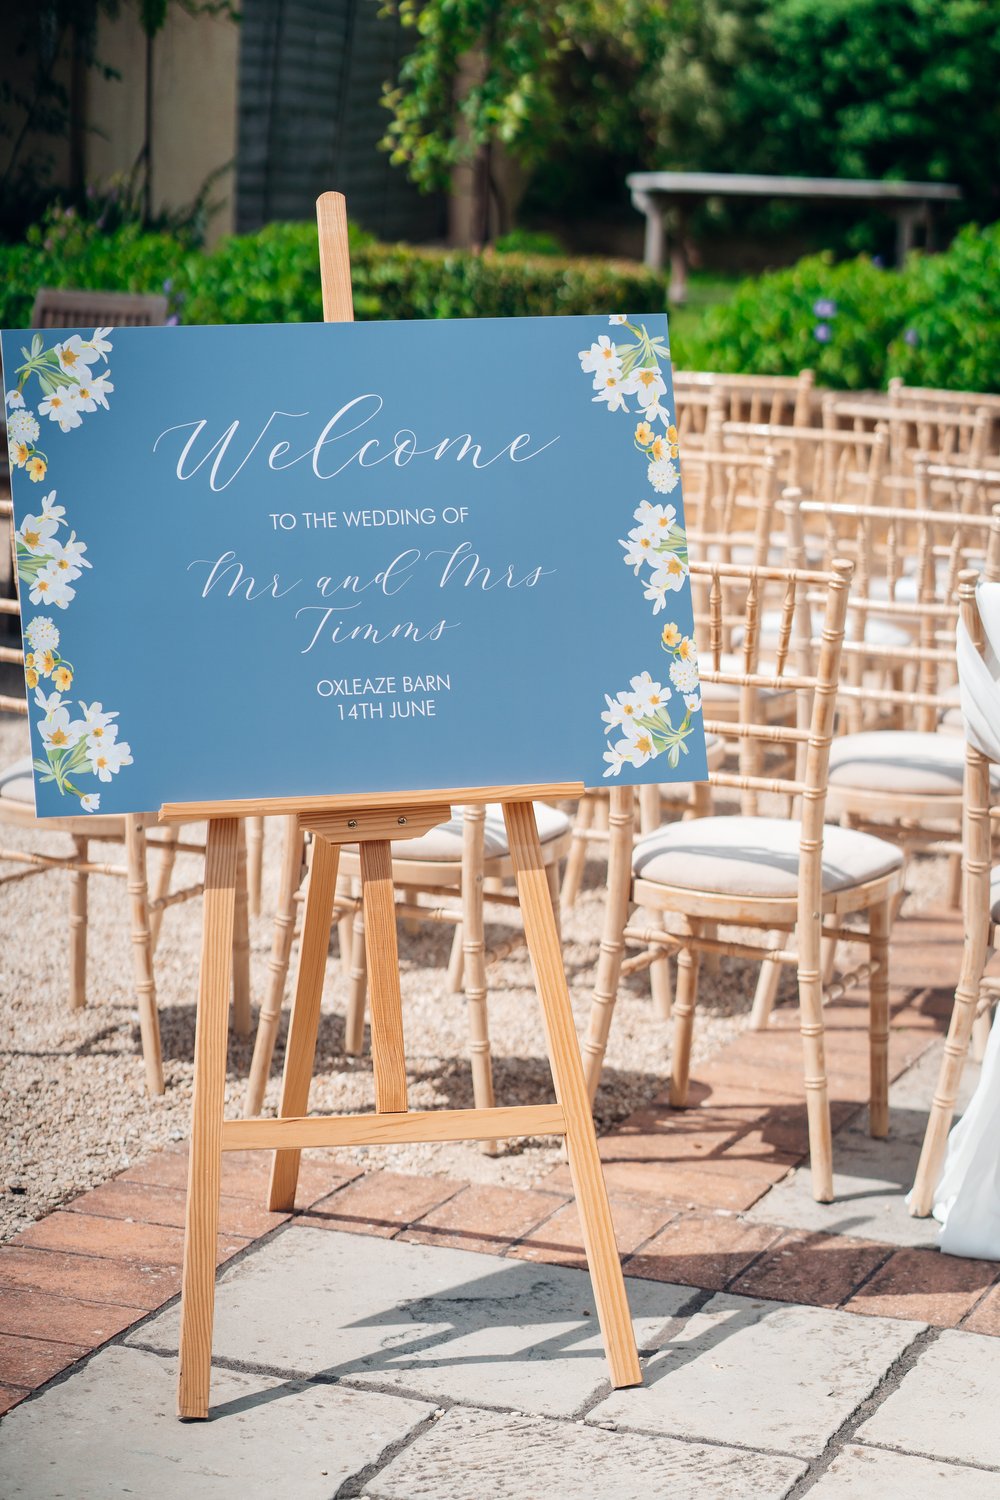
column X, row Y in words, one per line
column 372, row 822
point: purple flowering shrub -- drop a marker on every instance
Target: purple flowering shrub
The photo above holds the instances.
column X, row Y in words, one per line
column 935, row 322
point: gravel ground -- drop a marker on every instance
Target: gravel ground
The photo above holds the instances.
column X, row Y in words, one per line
column 73, row 1106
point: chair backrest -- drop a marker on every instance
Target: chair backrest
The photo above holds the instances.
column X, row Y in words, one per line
column 729, row 503
column 946, row 434
column 898, row 651
column 816, row 689
column 79, row 309
column 775, row 399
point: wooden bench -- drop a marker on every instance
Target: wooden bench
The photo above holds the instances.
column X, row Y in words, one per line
column 654, row 193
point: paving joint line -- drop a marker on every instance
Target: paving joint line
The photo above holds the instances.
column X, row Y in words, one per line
column 890, row 1382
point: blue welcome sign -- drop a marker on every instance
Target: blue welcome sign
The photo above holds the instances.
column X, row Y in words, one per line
column 309, row 559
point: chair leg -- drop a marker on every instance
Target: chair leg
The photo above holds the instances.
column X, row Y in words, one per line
column 168, row 854
column 354, row 1031
column 767, row 988
column 255, row 863
column 474, row 950
column 650, row 809
column 880, row 922
column 577, row 856
column 142, row 954
column 684, row 1004
column 277, row 977
column 241, row 943
column 711, row 962
column 345, row 931
column 963, row 1015
column 609, row 962
column 828, row 954
column 817, row 1089
column 660, row 983
column 456, row 962
column 78, row 927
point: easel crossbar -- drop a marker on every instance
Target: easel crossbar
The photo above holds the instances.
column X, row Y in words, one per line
column 389, row 1129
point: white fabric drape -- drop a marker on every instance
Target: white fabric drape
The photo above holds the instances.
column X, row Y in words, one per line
column 967, row 1197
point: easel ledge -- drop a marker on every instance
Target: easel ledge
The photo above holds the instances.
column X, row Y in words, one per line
column 349, row 802
column 374, row 822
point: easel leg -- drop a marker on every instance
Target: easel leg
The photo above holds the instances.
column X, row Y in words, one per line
column 571, row 1092
column 300, row 1052
column 201, row 1223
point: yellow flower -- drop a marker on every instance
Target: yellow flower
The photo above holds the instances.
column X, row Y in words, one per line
column 63, row 679
column 31, row 677
column 686, row 649
column 45, row 662
column 672, row 440
column 657, row 451
column 644, row 434
column 36, row 469
column 20, row 453
column 29, row 659
column 671, row 635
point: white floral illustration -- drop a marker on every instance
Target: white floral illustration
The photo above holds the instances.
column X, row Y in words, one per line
column 51, row 559
column 655, row 549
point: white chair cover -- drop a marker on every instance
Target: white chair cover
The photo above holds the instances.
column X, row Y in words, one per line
column 967, row 1197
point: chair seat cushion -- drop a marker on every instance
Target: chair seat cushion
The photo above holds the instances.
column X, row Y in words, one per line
column 756, row 857
column 15, row 782
column 900, row 760
column 444, row 843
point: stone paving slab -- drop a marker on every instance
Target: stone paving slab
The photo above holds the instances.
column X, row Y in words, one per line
column 865, row 1473
column 446, row 1324
column 946, row 1406
column 871, row 1178
column 470, row 1454
column 110, row 1430
column 762, row 1374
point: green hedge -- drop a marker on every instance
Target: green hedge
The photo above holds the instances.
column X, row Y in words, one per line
column 935, row 322
column 273, row 276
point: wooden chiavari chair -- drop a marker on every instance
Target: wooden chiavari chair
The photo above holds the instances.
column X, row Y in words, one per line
column 783, row 876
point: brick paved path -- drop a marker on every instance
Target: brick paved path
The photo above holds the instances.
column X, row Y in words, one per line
column 711, row 1198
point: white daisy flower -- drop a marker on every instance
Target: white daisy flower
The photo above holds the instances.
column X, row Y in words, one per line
column 621, row 711
column 663, row 476
column 684, row 676
column 75, row 356
column 35, row 535
column 100, row 387
column 14, row 399
column 616, row 756
column 99, row 343
column 50, row 509
column 692, row 702
column 94, row 716
column 609, row 389
column 42, row 634
column 59, row 731
column 651, row 695
column 618, row 318
column 670, row 571
column 601, row 358
column 51, row 586
column 47, row 702
column 107, row 760
column 61, row 407
column 639, row 548
column 91, row 802
column 641, row 749
column 648, row 385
